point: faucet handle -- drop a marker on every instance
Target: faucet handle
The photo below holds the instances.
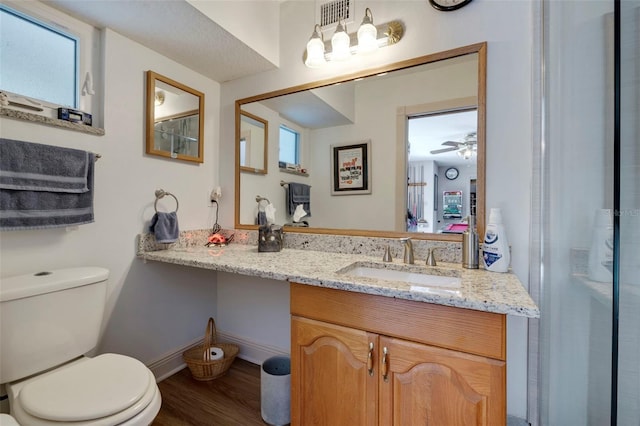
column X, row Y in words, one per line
column 387, row 255
column 408, row 250
column 431, row 257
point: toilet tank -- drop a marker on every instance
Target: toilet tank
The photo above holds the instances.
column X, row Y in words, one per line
column 49, row 318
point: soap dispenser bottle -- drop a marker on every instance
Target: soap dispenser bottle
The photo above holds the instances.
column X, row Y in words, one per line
column 495, row 250
column 470, row 245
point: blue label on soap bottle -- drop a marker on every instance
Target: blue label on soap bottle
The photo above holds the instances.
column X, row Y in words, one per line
column 490, row 237
column 491, row 258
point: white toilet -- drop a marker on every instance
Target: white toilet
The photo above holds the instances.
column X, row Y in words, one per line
column 48, row 321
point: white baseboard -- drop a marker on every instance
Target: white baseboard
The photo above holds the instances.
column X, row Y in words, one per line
column 172, row 362
column 251, row 351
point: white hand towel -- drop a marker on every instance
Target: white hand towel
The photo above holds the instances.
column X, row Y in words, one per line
column 270, row 211
column 299, row 213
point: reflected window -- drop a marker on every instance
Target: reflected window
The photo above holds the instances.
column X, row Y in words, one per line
column 38, row 60
column 289, row 146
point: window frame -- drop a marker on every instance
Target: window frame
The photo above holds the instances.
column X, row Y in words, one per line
column 60, row 32
column 88, row 54
column 298, row 142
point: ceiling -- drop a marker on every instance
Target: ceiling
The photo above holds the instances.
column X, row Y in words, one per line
column 427, row 133
column 174, row 29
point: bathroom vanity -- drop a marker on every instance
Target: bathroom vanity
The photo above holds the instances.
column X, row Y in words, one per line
column 382, row 343
column 362, row 359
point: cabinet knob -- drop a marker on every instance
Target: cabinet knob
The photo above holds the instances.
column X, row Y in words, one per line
column 370, row 359
column 385, row 366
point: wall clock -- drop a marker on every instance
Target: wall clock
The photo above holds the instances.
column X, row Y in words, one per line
column 448, row 5
column 451, row 173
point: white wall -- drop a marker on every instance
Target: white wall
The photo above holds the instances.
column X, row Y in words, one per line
column 507, row 26
column 152, row 308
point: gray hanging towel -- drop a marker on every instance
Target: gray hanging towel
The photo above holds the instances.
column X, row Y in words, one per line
column 298, row 193
column 261, row 219
column 44, row 186
column 165, row 227
column 31, row 166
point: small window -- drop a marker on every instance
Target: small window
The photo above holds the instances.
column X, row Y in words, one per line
column 243, row 152
column 289, row 146
column 37, row 60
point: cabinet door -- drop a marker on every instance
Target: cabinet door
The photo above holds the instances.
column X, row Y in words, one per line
column 330, row 380
column 426, row 385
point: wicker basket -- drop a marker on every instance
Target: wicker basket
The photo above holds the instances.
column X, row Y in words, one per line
column 199, row 361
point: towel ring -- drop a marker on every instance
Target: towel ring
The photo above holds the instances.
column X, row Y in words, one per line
column 259, row 200
column 161, row 193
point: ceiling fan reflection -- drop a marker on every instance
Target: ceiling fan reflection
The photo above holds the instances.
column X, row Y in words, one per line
column 465, row 148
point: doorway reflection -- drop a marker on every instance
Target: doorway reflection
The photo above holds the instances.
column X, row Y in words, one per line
column 441, row 170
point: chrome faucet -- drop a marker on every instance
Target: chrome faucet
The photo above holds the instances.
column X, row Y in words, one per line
column 408, row 250
column 431, row 257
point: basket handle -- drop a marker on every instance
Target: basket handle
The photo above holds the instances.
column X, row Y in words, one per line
column 210, row 337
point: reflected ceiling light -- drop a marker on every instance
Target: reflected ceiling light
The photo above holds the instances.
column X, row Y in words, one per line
column 466, row 152
column 367, row 34
column 343, row 45
column 159, row 98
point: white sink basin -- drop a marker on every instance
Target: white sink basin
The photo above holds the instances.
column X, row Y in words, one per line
column 420, row 281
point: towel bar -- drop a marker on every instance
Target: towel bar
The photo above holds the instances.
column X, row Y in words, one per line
column 283, row 183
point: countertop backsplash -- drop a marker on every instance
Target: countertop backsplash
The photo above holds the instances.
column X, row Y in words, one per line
column 450, row 252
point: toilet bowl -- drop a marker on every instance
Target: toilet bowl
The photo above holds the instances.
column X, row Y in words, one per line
column 106, row 390
column 49, row 321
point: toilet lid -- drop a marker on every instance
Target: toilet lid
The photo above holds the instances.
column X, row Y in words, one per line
column 99, row 387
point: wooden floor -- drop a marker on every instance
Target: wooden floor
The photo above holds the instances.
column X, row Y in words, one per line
column 233, row 399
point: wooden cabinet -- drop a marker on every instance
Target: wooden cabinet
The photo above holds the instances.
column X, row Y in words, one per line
column 371, row 360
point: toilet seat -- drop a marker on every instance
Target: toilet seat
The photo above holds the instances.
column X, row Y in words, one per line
column 76, row 393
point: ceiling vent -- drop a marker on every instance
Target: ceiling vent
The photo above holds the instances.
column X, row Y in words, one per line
column 330, row 12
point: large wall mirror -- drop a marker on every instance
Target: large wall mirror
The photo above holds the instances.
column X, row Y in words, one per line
column 424, row 123
column 174, row 119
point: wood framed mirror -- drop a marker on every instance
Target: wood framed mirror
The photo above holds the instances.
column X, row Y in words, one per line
column 253, row 143
column 379, row 105
column 175, row 127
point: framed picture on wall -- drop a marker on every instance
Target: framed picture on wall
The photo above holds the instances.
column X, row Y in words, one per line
column 351, row 169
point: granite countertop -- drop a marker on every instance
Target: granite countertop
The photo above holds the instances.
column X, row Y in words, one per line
column 501, row 293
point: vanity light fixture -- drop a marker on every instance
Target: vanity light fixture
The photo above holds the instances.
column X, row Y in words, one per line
column 343, row 45
column 340, row 43
column 367, row 34
column 315, row 49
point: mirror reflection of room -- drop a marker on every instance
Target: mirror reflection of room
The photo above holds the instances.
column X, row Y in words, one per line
column 253, row 143
column 174, row 119
column 377, row 108
column 441, row 170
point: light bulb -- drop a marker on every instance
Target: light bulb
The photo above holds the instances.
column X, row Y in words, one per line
column 340, row 49
column 367, row 34
column 315, row 49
